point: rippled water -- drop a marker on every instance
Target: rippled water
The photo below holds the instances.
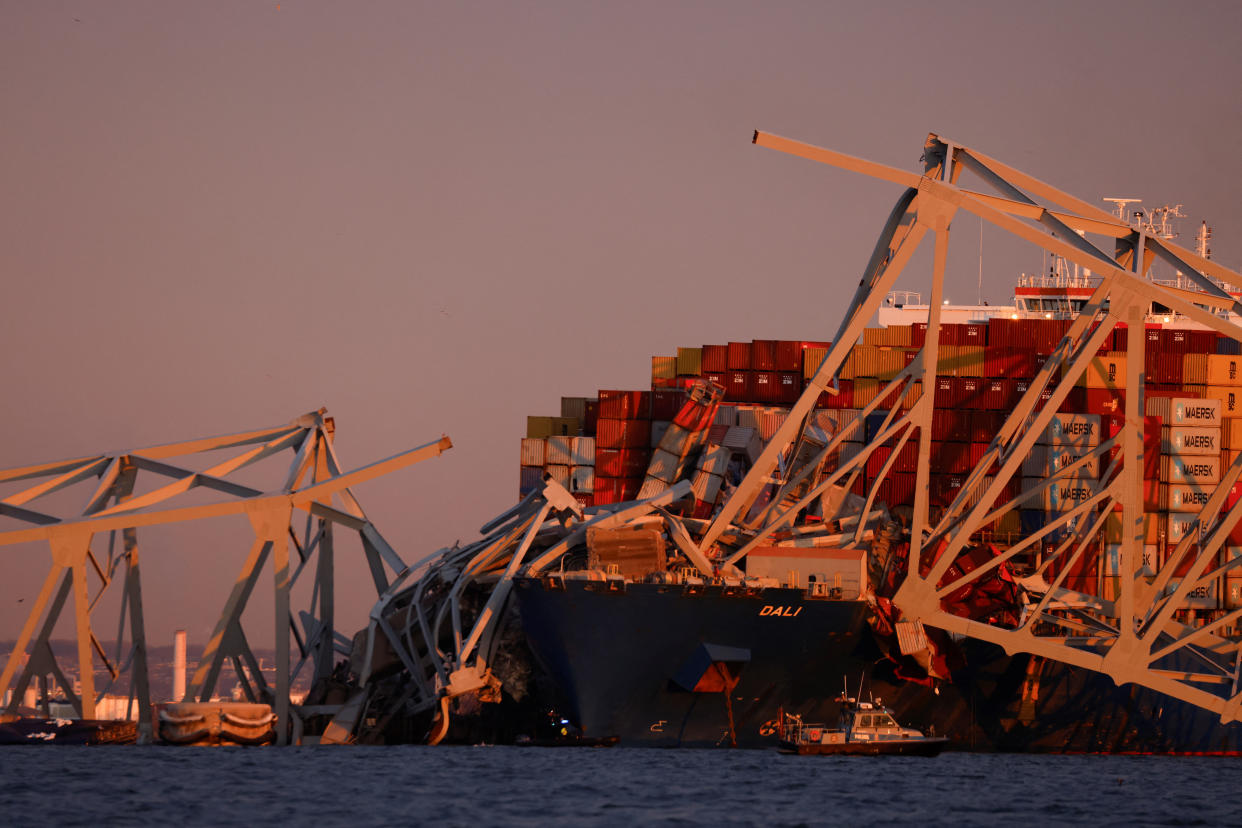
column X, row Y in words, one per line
column 538, row 786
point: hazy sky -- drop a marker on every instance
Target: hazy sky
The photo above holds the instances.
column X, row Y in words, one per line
column 441, row 217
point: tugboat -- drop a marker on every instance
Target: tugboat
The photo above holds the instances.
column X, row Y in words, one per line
column 864, row 728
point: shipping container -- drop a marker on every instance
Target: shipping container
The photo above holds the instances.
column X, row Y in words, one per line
column 622, row 462
column 622, row 434
column 624, row 405
column 664, row 466
column 1199, row 470
column 1231, row 433
column 559, row 450
column 558, row 473
column 789, row 356
column 663, row 368
column 739, row 356
column 1108, row 371
column 1224, row 369
column 690, row 362
column 666, row 402
column 534, row 451
column 658, row 429
column 763, row 355
column 1188, row 440
column 539, row 428
column 582, row 451
column 1229, row 397
column 574, row 407
column 582, row 479
column 1185, row 411
column 1180, row 497
column 715, row 358
column 1045, row 461
column 811, row 359
column 1073, row 430
column 530, row 479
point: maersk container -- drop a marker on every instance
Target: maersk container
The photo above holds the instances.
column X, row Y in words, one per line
column 582, row 451
column 1177, row 525
column 534, row 451
column 1179, row 497
column 582, row 478
column 1185, row 411
column 1204, row 597
column 1067, row 430
column 1201, row 470
column 1188, row 440
column 1070, row 493
column 1045, row 461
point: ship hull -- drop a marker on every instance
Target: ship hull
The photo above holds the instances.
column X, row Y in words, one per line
column 626, row 660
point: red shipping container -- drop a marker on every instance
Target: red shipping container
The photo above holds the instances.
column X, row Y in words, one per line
column 763, row 355
column 918, row 334
column 737, row 386
column 1235, row 494
column 844, row 398
column 789, row 386
column 620, row 434
column 1104, row 401
column 949, row 425
column 666, row 403
column 908, row 457
column 616, row 489
column 952, row 334
column 715, row 358
column 970, row 392
column 1111, row 427
column 944, row 488
column 763, row 387
column 950, row 458
column 622, row 462
column 1001, row 332
column 1201, row 342
column 789, row 355
column 995, row 395
column 1165, row 368
column 625, row 405
column 875, row 463
column 975, row 333
column 1174, row 341
column 1075, row 400
column 720, row 378
column 883, row 490
column 947, row 391
column 985, row 424
column 739, row 356
column 902, row 490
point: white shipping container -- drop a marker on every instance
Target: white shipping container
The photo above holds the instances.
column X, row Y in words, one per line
column 1072, row 430
column 1177, row 525
column 658, row 427
column 1069, row 493
column 714, row 460
column 1146, row 566
column 743, row 440
column 706, row 487
column 560, row 450
column 1179, row 497
column 1189, row 440
column 582, row 478
column 1195, row 469
column 534, row 451
column 651, row 487
column 748, row 416
column 771, row 419
column 1045, row 461
column 582, row 451
column 1204, row 596
column 560, row 474
column 663, row 466
column 726, row 415
column 1185, row 411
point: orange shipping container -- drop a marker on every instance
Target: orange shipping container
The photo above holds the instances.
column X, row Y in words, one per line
column 1224, row 369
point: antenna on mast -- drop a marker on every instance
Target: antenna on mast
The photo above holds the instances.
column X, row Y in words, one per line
column 1121, row 206
column 1202, row 238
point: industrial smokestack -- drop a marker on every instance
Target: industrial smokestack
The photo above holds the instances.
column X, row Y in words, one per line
column 178, row 692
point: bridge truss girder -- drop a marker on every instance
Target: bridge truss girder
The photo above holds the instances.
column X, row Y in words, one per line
column 1130, row 637
column 313, row 486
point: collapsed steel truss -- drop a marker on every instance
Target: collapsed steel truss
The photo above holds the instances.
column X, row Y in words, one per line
column 313, row 485
column 1135, row 638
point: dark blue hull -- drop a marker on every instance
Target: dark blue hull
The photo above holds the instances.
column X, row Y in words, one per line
column 627, row 661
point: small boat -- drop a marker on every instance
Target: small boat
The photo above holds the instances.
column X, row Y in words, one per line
column 215, row 723
column 864, row 728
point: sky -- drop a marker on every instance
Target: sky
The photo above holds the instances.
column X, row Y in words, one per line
column 439, row 218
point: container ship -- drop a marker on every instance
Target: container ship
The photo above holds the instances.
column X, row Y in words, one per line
column 689, row 561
